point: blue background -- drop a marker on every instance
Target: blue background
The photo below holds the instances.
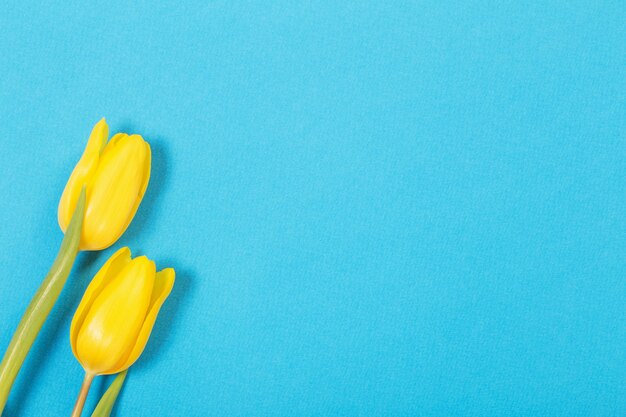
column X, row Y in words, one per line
column 374, row 208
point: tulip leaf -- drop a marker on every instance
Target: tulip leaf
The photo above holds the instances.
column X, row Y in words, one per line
column 42, row 302
column 106, row 403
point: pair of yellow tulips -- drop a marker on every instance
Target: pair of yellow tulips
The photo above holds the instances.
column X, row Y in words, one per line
column 116, row 315
column 118, row 310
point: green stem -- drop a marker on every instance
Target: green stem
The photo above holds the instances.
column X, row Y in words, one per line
column 82, row 395
column 106, row 403
column 41, row 304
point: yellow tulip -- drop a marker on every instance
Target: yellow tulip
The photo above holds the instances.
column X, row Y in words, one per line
column 116, row 174
column 115, row 317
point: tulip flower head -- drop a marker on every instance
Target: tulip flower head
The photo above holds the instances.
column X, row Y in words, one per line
column 116, row 174
column 115, row 317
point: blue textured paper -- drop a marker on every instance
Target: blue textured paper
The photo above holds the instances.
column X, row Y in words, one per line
column 374, row 208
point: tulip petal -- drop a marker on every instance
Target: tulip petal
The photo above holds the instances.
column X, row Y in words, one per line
column 115, row 190
column 115, row 317
column 110, row 269
column 145, row 181
column 162, row 287
column 82, row 173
